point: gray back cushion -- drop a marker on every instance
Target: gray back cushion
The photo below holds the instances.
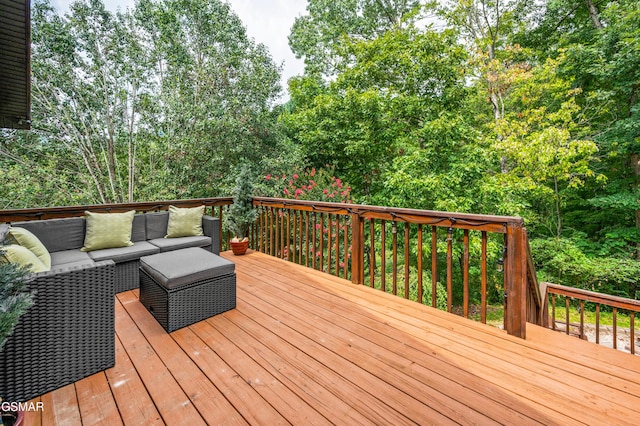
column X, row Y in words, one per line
column 57, row 234
column 138, row 229
column 4, row 228
column 157, row 224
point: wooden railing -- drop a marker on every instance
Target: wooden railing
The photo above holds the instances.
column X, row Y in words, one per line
column 468, row 258
column 578, row 299
column 214, row 208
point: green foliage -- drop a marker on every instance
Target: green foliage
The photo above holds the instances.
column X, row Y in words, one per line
column 498, row 108
column 572, row 262
column 156, row 102
column 241, row 214
column 402, row 91
column 14, row 298
column 319, row 35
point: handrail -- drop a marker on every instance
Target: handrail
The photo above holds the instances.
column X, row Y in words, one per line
column 632, row 306
column 426, row 217
column 310, row 232
column 14, row 215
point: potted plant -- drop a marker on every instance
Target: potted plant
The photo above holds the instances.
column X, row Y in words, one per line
column 14, row 301
column 241, row 214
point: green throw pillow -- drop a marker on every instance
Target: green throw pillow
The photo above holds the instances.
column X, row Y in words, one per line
column 24, row 238
column 108, row 230
column 185, row 222
column 22, row 256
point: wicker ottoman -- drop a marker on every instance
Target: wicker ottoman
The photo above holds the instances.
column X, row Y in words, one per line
column 185, row 286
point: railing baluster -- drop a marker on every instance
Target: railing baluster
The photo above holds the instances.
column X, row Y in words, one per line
column 372, row 254
column 329, row 245
column 615, row 328
column 465, row 274
column 483, row 279
column 294, row 246
column 598, row 323
column 313, row 240
column 262, row 229
column 450, row 269
column 345, row 235
column 383, row 254
column 221, row 222
column 282, row 237
column 337, row 223
column 553, row 311
column 278, row 233
column 406, row 260
column 301, row 245
column 420, row 263
column 272, row 242
column 394, row 232
column 632, row 331
column 322, row 242
column 434, row 266
column 582, row 319
column 286, row 254
column 306, row 237
column 357, row 248
column 566, row 306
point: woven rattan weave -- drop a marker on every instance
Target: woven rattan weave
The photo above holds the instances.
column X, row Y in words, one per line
column 66, row 335
column 188, row 304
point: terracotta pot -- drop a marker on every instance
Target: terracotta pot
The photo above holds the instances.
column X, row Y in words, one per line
column 240, row 247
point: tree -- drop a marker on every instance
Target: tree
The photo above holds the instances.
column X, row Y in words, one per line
column 155, row 102
column 540, row 137
column 398, row 94
column 215, row 89
column 85, row 90
column 318, row 36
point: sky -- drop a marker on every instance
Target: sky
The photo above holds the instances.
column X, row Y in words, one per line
column 267, row 21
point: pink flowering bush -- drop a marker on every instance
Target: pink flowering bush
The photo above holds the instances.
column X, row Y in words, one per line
column 310, row 184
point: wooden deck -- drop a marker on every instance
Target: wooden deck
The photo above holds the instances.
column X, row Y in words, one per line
column 303, row 348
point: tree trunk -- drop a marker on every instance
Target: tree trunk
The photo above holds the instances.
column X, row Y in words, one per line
column 558, row 214
column 497, row 105
column 593, row 14
column 131, row 147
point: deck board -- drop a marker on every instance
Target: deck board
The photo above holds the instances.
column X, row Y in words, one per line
column 303, row 347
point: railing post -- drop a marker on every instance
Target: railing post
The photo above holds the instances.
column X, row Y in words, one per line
column 544, row 312
column 357, row 248
column 515, row 281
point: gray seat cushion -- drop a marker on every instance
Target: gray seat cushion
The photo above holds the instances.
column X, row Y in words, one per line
column 69, row 256
column 178, row 268
column 125, row 254
column 168, row 244
column 70, row 265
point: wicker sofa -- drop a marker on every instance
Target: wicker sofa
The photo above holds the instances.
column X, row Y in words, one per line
column 66, row 335
column 69, row 332
column 63, row 238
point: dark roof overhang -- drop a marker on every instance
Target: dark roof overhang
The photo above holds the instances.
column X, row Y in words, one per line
column 15, row 64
